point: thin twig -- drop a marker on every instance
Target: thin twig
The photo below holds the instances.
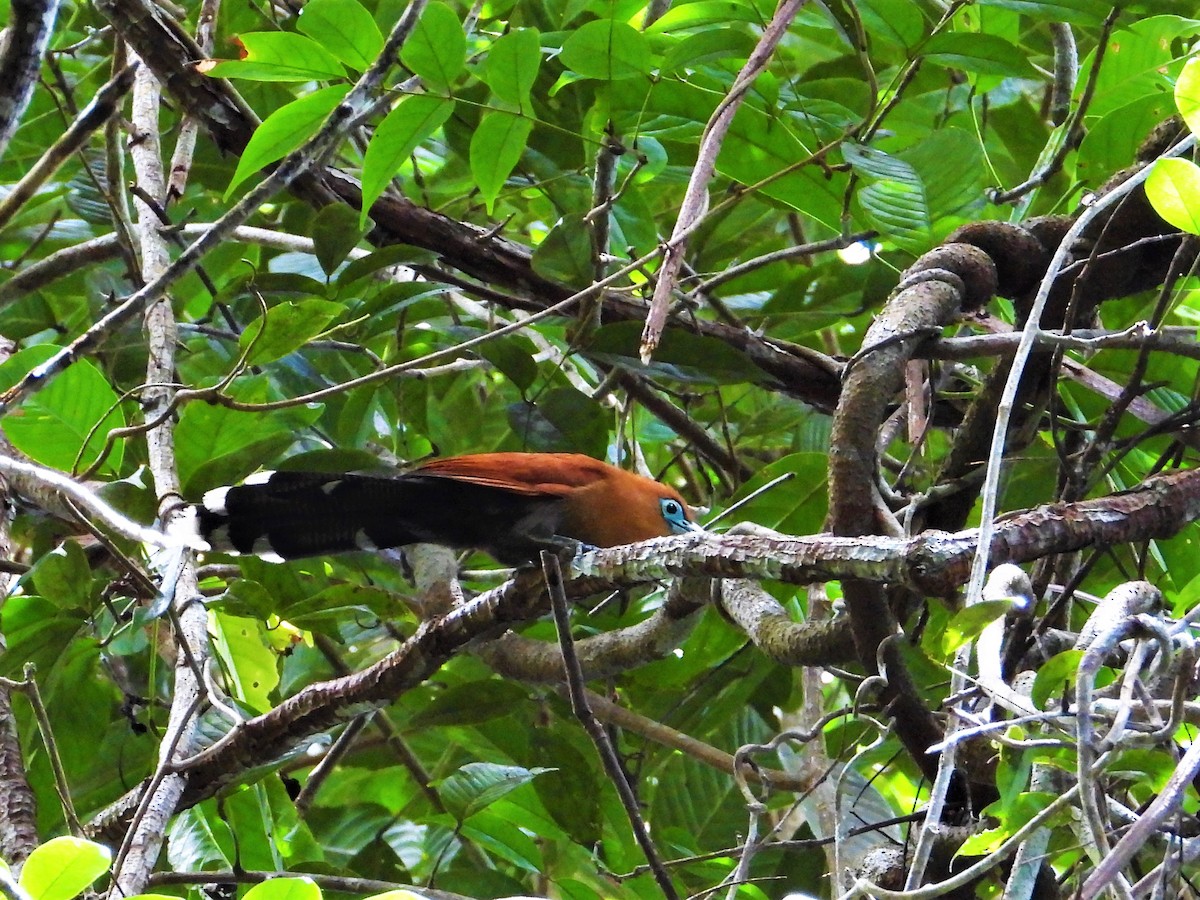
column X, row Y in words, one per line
column 1071, row 132
column 695, row 201
column 579, row 703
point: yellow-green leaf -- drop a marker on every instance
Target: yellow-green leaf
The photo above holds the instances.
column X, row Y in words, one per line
column 968, row 623
column 1173, row 189
column 63, row 867
column 1187, row 94
column 285, row 889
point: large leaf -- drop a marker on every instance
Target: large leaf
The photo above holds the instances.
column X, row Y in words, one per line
column 608, row 50
column 285, row 889
column 896, row 21
column 334, row 235
column 476, row 786
column 250, row 665
column 1173, row 189
column 790, row 494
column 512, row 66
column 63, row 867
column 496, row 147
column 895, row 199
column 985, row 54
column 285, row 130
column 63, row 576
column 561, row 419
column 207, row 435
column 64, row 425
column 1084, row 12
column 681, row 355
column 413, row 120
column 1187, row 94
column 344, row 28
column 437, row 48
column 287, row 327
column 279, row 56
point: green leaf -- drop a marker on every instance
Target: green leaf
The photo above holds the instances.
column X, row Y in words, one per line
column 1083, row 12
column 470, row 704
column 335, row 233
column 1156, row 766
column 1145, row 60
column 984, row 54
column 372, row 262
column 1112, row 140
column 197, row 840
column 1055, row 674
column 344, row 28
column 501, row 837
column 280, row 56
column 968, row 623
column 1173, row 188
column 326, row 609
column 285, row 130
column 682, row 355
column 284, row 889
column 249, row 599
column 63, row 867
column 413, row 120
column 1187, row 94
column 797, row 505
column 894, row 198
column 685, row 16
column 608, row 50
column 570, row 792
column 437, row 48
column 36, row 631
column 513, row 357
column 53, row 424
column 63, row 576
column 898, row 22
column 511, row 66
column 477, row 785
column 984, row 842
column 562, row 419
column 247, row 660
column 288, row 327
column 761, row 145
column 496, row 148
column 949, row 190
column 565, row 253
column 215, row 445
column 708, row 46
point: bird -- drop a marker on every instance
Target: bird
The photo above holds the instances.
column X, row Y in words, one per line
column 510, row 505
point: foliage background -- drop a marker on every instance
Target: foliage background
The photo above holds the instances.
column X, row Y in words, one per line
column 881, row 122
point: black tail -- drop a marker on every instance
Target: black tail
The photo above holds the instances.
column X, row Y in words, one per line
column 295, row 514
column 287, row 515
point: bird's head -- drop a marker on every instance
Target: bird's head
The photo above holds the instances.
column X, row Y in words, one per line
column 676, row 515
column 619, row 507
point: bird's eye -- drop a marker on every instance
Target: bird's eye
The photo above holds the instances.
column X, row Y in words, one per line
column 670, row 508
